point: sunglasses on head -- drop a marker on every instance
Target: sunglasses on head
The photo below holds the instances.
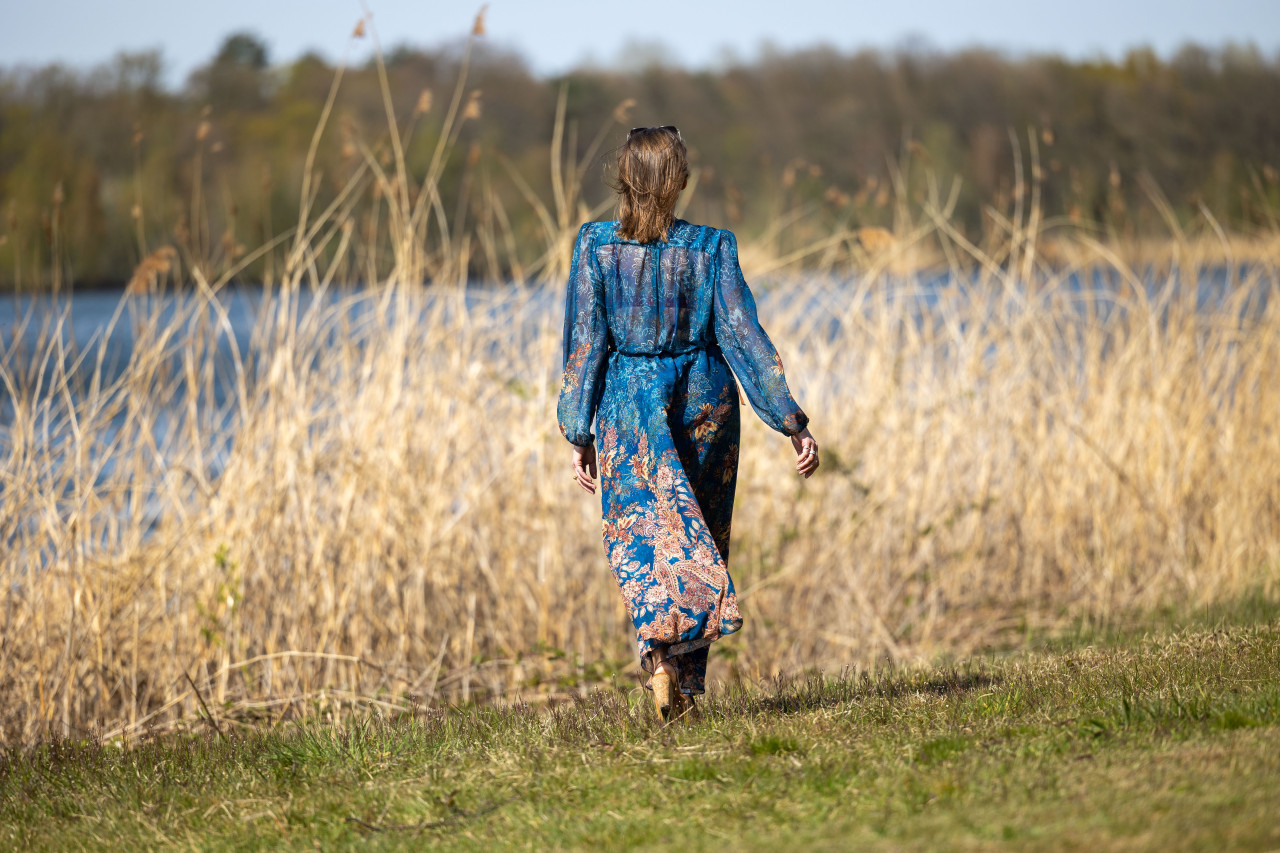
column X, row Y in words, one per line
column 670, row 127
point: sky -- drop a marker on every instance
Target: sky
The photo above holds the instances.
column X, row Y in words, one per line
column 557, row 35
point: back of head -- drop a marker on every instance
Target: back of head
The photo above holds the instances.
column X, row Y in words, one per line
column 653, row 167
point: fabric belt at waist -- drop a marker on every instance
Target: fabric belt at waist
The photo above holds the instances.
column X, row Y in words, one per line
column 712, row 347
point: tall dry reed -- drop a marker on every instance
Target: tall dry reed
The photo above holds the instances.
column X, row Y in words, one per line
column 368, row 503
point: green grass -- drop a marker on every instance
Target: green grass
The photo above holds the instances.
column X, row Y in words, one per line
column 1161, row 738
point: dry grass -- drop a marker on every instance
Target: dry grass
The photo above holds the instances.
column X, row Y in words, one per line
column 370, row 502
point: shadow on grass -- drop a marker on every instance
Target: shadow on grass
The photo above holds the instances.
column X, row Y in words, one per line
column 814, row 691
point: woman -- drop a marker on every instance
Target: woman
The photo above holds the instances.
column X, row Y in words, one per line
column 656, row 314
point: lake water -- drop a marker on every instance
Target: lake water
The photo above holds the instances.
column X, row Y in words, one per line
column 83, row 321
column 89, row 312
column 94, row 348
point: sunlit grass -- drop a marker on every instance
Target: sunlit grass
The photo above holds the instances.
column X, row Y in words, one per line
column 1161, row 739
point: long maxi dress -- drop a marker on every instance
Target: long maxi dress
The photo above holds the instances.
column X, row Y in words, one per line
column 651, row 332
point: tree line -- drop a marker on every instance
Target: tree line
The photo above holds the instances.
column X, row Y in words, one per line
column 97, row 168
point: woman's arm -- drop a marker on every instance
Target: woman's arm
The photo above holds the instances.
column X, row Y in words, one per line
column 747, row 348
column 586, row 338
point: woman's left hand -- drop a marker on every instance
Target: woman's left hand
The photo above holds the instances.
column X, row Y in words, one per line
column 806, row 453
column 584, row 461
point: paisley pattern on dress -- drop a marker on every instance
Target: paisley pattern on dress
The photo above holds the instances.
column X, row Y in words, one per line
column 654, row 335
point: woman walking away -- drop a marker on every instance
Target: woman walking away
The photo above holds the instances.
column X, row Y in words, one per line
column 656, row 314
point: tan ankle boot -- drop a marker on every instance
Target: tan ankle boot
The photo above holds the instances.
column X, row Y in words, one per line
column 666, row 686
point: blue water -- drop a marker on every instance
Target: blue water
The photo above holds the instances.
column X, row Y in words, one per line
column 93, row 350
column 93, row 347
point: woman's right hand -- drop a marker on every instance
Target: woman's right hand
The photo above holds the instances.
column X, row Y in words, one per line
column 806, row 452
column 584, row 467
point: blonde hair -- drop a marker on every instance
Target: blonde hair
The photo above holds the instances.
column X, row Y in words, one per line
column 653, row 167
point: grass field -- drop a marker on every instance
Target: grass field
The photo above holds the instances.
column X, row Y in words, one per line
column 1153, row 738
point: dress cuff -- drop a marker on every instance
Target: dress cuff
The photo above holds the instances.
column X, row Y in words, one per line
column 584, row 439
column 795, row 423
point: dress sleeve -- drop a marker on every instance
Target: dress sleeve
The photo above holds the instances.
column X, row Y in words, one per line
column 747, row 348
column 586, row 338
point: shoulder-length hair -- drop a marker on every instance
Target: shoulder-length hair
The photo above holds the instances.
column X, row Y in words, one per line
column 653, row 167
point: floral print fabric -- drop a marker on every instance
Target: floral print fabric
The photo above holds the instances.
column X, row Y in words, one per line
column 654, row 335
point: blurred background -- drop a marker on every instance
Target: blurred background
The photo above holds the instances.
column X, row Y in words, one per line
column 277, row 395
column 113, row 117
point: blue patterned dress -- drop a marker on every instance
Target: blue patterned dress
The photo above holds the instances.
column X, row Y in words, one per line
column 651, row 332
